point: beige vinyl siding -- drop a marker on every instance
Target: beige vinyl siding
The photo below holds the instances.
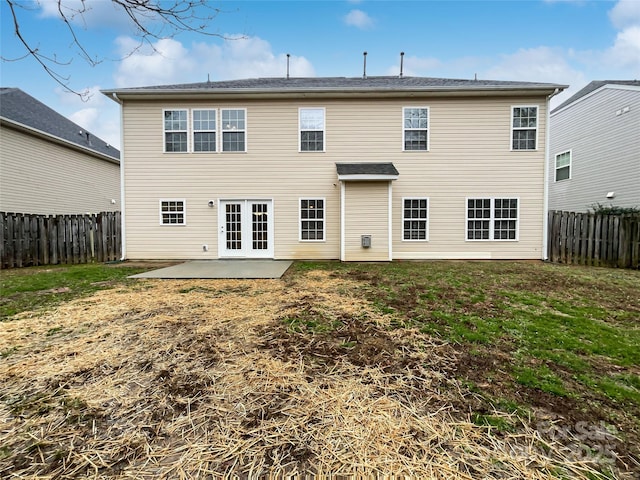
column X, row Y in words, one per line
column 469, row 156
column 41, row 177
column 605, row 151
column 366, row 213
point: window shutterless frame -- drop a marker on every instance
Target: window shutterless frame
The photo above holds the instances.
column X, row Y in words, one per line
column 492, row 219
column 563, row 166
column 415, row 129
column 175, row 130
column 173, row 211
column 415, row 219
column 311, row 129
column 204, row 130
column 524, row 127
column 312, row 219
column 233, row 128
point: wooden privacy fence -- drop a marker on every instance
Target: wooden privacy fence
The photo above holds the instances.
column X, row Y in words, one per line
column 29, row 240
column 594, row 239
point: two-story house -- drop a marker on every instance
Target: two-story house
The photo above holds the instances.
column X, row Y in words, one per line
column 356, row 169
column 595, row 147
column 49, row 164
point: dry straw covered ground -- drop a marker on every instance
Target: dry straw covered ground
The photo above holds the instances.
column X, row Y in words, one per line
column 211, row 379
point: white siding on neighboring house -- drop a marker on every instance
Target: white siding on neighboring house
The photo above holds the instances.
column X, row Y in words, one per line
column 42, row 177
column 602, row 131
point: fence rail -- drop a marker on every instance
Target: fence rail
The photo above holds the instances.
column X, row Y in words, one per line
column 30, row 240
column 593, row 239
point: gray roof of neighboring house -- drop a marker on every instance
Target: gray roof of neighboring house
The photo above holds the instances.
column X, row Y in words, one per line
column 20, row 108
column 338, row 84
column 593, row 86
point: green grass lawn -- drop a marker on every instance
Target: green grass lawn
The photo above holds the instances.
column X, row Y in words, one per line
column 529, row 334
column 40, row 287
column 532, row 340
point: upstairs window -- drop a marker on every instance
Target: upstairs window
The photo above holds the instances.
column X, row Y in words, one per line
column 172, row 212
column 204, row 130
column 175, row 130
column 312, row 219
column 524, row 128
column 311, row 129
column 492, row 219
column 234, row 130
column 415, row 218
column 563, row 166
column 415, row 128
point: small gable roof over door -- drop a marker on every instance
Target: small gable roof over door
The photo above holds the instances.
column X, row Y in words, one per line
column 366, row 171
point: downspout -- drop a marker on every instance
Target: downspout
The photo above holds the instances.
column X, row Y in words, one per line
column 123, row 224
column 342, row 220
column 547, row 161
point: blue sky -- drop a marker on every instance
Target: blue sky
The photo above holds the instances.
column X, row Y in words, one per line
column 558, row 41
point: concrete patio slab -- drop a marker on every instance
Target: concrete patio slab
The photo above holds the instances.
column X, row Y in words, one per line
column 221, row 269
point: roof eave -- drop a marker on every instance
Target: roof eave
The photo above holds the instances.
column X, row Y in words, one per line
column 60, row 141
column 172, row 93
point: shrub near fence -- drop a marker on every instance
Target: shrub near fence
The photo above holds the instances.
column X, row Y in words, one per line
column 29, row 240
column 594, row 239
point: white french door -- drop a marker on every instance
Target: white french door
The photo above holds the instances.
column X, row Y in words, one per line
column 245, row 228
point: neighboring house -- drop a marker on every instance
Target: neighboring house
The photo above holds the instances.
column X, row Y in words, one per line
column 50, row 165
column 366, row 169
column 594, row 154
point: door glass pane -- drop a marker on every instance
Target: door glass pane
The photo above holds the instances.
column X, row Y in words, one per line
column 259, row 226
column 233, row 221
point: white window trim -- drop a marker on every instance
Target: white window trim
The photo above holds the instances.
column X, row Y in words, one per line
column 555, row 167
column 426, row 239
column 491, row 219
column 164, row 131
column 324, row 220
column 184, row 212
column 194, row 131
column 537, row 128
column 412, row 129
column 324, row 130
column 245, row 130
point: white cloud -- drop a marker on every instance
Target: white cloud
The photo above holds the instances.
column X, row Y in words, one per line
column 171, row 62
column 95, row 113
column 87, row 13
column 359, row 19
column 625, row 52
column 625, row 13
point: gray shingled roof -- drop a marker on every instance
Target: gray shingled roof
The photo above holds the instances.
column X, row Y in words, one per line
column 329, row 84
column 19, row 107
column 366, row 168
column 592, row 86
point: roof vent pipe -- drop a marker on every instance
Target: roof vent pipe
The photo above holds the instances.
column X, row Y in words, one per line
column 364, row 74
column 288, row 57
column 401, row 63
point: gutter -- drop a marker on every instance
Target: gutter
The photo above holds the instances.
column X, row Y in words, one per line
column 547, row 163
column 123, row 224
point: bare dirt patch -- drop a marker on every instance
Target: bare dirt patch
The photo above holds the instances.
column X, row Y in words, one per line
column 207, row 379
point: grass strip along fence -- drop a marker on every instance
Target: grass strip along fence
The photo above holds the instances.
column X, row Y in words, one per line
column 32, row 240
column 594, row 239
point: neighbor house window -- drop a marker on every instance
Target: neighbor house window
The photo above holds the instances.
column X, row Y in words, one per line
column 204, row 130
column 415, row 128
column 415, row 217
column 524, row 128
column 234, row 130
column 175, row 130
column 492, row 219
column 172, row 212
column 312, row 219
column 563, row 166
column 311, row 129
